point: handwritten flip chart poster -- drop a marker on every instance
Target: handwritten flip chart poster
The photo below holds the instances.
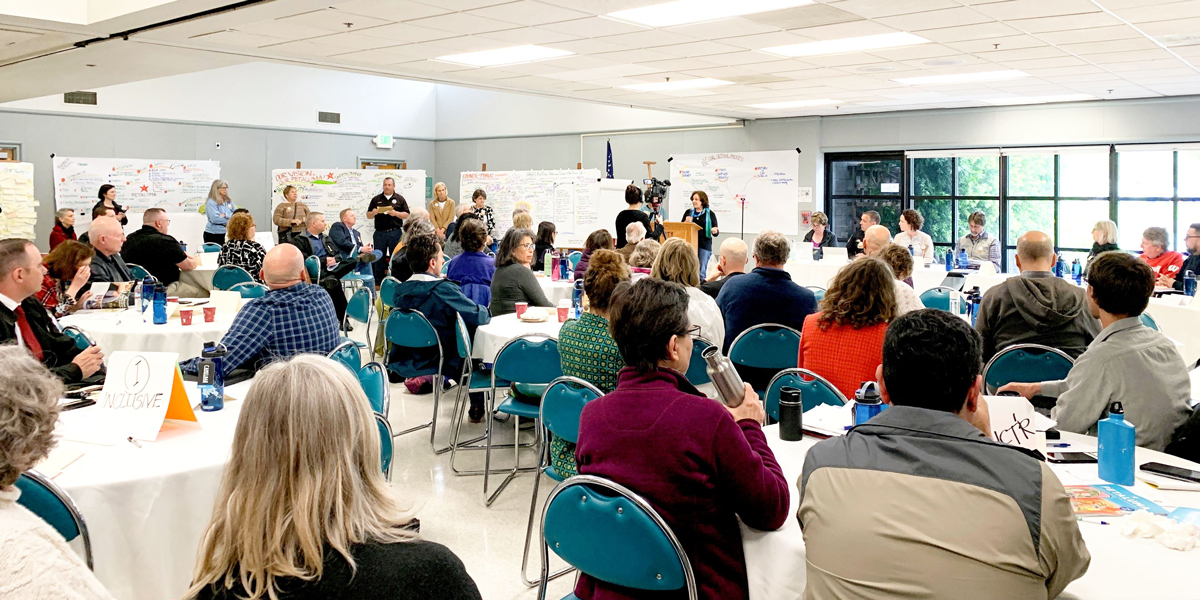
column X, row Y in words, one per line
column 16, row 199
column 329, row 191
column 568, row 198
column 172, row 185
column 765, row 181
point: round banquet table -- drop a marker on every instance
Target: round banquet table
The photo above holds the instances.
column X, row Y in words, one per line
column 491, row 337
column 556, row 290
column 1121, row 568
column 821, row 273
column 116, row 330
column 146, row 508
column 202, row 276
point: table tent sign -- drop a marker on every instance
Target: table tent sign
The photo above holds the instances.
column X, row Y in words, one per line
column 141, row 391
column 1015, row 422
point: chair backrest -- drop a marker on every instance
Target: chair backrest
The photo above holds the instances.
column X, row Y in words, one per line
column 227, row 276
column 387, row 290
column 445, row 267
column 562, row 403
column 385, row 445
column 211, row 247
column 373, row 378
column 83, row 341
column 348, row 355
column 939, row 298
column 464, row 338
column 697, row 373
column 1024, row 363
column 359, row 306
column 250, row 289
column 139, row 272
column 313, row 264
column 574, row 258
column 530, row 358
column 814, row 390
column 49, row 502
column 409, row 328
column 612, row 534
column 1149, row 321
column 818, row 291
column 766, row 346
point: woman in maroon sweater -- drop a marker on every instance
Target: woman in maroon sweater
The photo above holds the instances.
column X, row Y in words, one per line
column 700, row 464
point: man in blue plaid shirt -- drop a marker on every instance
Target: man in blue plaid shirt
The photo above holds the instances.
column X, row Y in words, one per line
column 295, row 317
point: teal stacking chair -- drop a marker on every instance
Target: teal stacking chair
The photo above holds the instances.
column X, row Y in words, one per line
column 817, row 291
column 531, row 359
column 471, row 381
column 139, row 272
column 1149, row 321
column 939, row 298
column 814, row 390
column 347, row 355
column 313, row 265
column 250, row 289
column 359, row 309
column 83, row 341
column 574, row 258
column 44, row 498
column 562, row 405
column 210, row 247
column 1026, row 363
column 373, row 378
column 227, row 276
column 766, row 346
column 410, row 329
column 697, row 373
column 613, row 535
column 386, row 450
column 387, row 290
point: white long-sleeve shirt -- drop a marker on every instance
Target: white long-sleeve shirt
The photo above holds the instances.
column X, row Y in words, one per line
column 920, row 241
column 35, row 561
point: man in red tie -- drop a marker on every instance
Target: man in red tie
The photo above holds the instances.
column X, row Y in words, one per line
column 24, row 320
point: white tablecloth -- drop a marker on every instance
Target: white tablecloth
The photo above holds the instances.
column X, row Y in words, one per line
column 1120, row 569
column 146, row 508
column 126, row 330
column 491, row 337
column 820, row 274
column 202, row 276
column 555, row 290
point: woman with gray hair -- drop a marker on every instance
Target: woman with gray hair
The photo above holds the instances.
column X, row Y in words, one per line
column 643, row 255
column 1104, row 239
column 514, row 280
column 218, row 208
column 64, row 227
column 35, row 561
column 1155, row 253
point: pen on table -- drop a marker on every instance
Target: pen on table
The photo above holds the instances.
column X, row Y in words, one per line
column 1059, row 445
column 133, row 441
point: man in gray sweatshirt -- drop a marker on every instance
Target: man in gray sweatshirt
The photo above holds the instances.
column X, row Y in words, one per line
column 1037, row 307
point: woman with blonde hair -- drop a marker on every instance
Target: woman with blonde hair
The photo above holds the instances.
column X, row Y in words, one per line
column 819, row 235
column 218, row 208
column 643, row 256
column 1104, row 239
column 843, row 342
column 678, row 263
column 240, row 249
column 901, row 262
column 305, row 511
column 441, row 209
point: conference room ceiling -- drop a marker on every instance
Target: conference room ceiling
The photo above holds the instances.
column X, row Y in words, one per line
column 1066, row 49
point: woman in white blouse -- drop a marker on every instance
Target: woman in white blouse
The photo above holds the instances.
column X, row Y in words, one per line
column 910, row 234
column 35, row 561
column 901, row 262
column 677, row 262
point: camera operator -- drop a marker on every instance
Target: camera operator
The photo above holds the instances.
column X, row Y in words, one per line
column 656, row 192
column 633, row 197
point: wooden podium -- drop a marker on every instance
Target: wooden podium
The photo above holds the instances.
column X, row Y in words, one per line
column 689, row 232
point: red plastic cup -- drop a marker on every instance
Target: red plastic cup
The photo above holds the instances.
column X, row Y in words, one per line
column 185, row 316
column 210, row 314
column 521, row 306
column 563, row 312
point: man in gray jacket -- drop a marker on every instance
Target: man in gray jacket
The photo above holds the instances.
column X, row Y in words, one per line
column 1037, row 307
column 1127, row 361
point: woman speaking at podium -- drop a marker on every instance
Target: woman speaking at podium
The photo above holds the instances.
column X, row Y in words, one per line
column 700, row 214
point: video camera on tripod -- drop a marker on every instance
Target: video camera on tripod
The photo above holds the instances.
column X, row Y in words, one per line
column 656, row 190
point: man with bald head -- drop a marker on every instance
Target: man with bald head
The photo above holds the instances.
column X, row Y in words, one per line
column 875, row 238
column 732, row 262
column 107, row 237
column 1037, row 307
column 161, row 254
column 294, row 317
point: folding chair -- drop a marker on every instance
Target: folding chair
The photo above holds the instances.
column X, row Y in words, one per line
column 818, row 291
column 83, row 341
column 471, row 381
column 385, row 445
column 210, row 247
column 54, row 506
column 1026, row 363
column 939, row 298
column 814, row 390
column 410, row 329
column 697, row 373
column 359, row 309
column 249, row 289
column 766, row 346
column 373, row 378
column 227, row 276
column 347, row 355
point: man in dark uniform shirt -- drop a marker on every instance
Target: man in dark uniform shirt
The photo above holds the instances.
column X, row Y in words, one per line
column 854, row 245
column 389, row 211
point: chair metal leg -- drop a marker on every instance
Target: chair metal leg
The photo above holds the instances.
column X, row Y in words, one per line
column 533, row 503
column 516, row 459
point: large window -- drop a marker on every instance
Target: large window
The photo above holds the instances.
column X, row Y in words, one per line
column 861, row 183
column 1057, row 194
column 1157, row 188
column 947, row 189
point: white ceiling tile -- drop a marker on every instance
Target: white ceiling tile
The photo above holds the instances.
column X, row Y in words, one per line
column 801, row 17
column 1160, row 12
column 1029, row 9
column 406, row 33
column 1106, row 46
column 463, row 23
column 1065, row 23
column 279, row 29
column 743, row 57
column 1011, row 42
column 1044, row 63
column 677, row 64
column 1120, row 57
column 433, row 66
column 924, row 51
column 766, row 40
column 935, row 19
column 844, row 60
column 774, row 66
column 375, row 56
column 587, row 46
column 1094, row 34
column 634, row 56
column 648, row 39
column 1004, row 54
column 330, row 20
column 1058, row 73
column 463, row 4
column 715, row 30
column 969, row 32
column 1175, row 27
column 236, row 38
column 529, row 12
column 528, row 35
column 873, row 9
column 390, row 10
column 858, row 83
column 1135, row 67
column 541, row 68
column 597, row 27
column 583, row 62
column 697, row 49
column 465, row 43
column 843, row 30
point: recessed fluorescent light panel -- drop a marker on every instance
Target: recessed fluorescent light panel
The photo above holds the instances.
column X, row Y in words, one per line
column 514, row 55
column 962, row 78
column 684, row 12
column 684, row 84
column 1039, row 99
column 847, row 45
column 795, row 104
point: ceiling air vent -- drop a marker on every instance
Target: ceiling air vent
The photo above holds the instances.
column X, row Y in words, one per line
column 329, row 117
column 80, row 98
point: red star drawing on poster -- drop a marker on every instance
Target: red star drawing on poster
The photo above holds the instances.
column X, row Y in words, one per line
column 330, row 176
column 139, row 170
column 145, row 188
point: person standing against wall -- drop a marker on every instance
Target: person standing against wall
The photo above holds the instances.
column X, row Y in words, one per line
column 389, row 210
column 108, row 198
column 290, row 215
column 218, row 208
column 700, row 214
column 441, row 210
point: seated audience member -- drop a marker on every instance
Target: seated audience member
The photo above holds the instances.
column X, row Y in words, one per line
column 730, row 263
column 1155, row 253
column 911, row 235
column 875, row 238
column 413, row 228
column 160, row 254
column 306, row 512
column 240, row 249
column 632, row 213
column 350, row 245
column 452, row 247
column 98, row 211
column 513, row 280
column 980, row 246
column 473, row 269
column 596, row 240
column 700, row 464
column 586, row 346
column 635, row 232
column 64, row 227
column 314, row 242
column 854, row 245
column 844, row 341
column 36, row 561
column 1191, row 263
column 294, row 317
column 765, row 295
column 24, row 321
column 458, row 212
column 65, row 286
column 643, row 256
column 416, row 216
column 441, row 301
column 901, row 262
column 819, row 235
column 893, row 509
column 522, row 219
column 107, row 238
column 1104, row 238
column 677, row 263
column 546, row 234
column 1037, row 307
column 1127, row 362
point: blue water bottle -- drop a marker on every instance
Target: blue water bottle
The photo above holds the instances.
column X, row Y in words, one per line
column 911, row 252
column 1189, row 282
column 1077, row 271
column 564, row 266
column 1059, row 267
column 212, row 377
column 160, row 304
column 1117, row 442
column 577, row 298
column 963, row 261
column 147, row 292
column 949, row 260
column 867, row 402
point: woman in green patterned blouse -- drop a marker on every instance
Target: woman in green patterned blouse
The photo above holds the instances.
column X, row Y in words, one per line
column 587, row 349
